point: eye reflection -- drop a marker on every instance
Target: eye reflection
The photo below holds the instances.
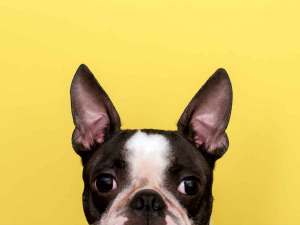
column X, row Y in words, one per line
column 105, row 183
column 189, row 186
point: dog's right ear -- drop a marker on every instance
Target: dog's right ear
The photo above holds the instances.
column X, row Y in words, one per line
column 94, row 115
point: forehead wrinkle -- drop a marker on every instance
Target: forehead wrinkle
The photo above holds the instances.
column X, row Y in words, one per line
column 147, row 156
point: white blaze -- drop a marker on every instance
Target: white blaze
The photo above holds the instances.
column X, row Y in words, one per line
column 147, row 155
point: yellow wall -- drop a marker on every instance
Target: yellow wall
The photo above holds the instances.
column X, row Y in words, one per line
column 151, row 57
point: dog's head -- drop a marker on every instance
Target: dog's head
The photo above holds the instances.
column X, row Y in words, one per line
column 149, row 177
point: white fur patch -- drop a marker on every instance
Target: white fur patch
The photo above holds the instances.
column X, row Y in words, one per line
column 148, row 157
column 119, row 220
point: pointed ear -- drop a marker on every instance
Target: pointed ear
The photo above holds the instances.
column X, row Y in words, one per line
column 94, row 115
column 206, row 117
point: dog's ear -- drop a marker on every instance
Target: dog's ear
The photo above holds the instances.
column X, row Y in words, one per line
column 206, row 117
column 94, row 115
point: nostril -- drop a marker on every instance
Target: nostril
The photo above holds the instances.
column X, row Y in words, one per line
column 156, row 205
column 138, row 204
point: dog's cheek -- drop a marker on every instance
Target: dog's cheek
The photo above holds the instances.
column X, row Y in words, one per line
column 94, row 206
column 121, row 220
column 176, row 213
column 90, row 210
column 169, row 221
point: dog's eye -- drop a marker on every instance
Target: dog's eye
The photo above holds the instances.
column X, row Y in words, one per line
column 189, row 186
column 105, row 183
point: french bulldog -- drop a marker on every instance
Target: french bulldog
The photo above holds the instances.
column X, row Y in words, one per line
column 149, row 176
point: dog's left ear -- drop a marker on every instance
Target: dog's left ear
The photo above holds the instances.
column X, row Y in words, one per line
column 206, row 117
column 94, row 115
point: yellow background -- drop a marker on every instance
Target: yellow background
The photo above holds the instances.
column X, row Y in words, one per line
column 151, row 57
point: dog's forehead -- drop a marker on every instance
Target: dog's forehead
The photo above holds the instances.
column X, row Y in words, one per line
column 148, row 156
column 147, row 150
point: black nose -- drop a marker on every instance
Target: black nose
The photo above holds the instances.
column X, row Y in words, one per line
column 148, row 202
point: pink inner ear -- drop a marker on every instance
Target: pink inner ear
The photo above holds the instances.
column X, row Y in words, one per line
column 98, row 129
column 202, row 132
column 92, row 131
column 208, row 136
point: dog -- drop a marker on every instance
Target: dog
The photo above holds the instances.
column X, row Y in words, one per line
column 149, row 176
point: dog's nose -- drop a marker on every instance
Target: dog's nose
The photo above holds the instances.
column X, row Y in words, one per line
column 148, row 201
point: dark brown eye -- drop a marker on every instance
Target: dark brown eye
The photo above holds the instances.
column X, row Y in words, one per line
column 189, row 186
column 105, row 183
